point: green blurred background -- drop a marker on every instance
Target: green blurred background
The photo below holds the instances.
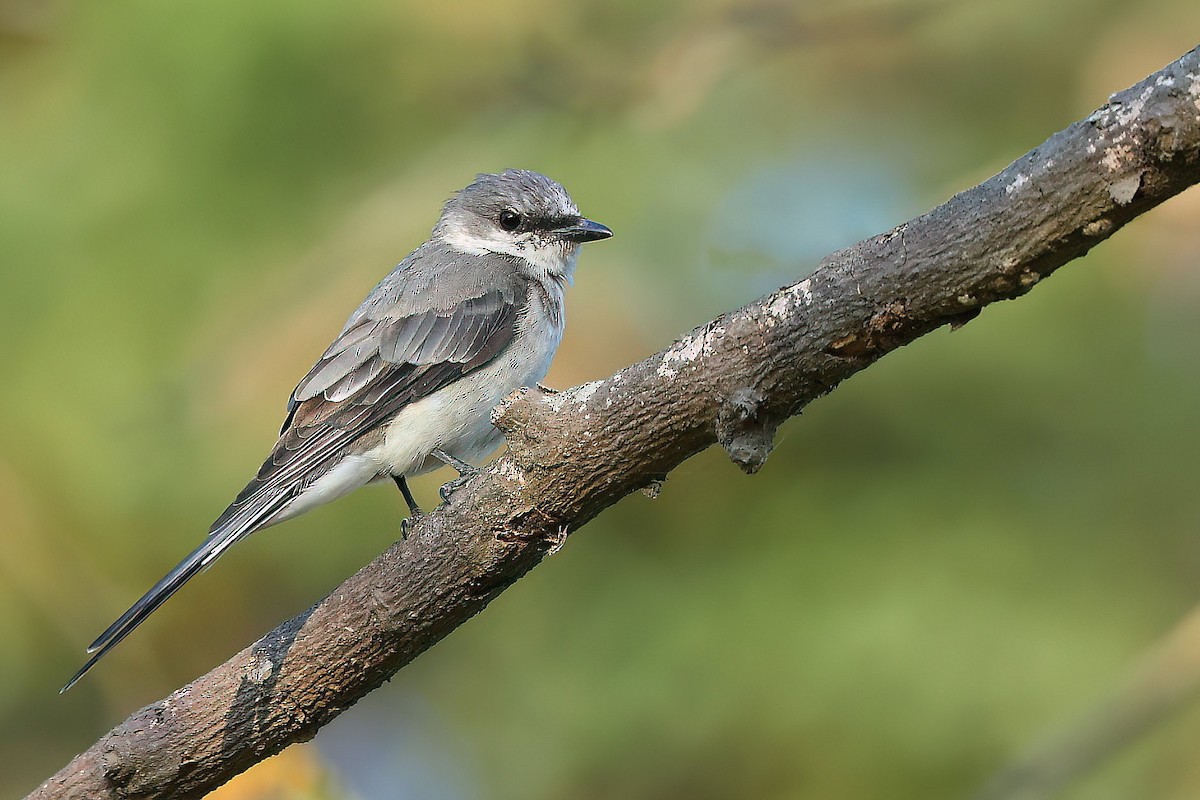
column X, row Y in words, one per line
column 955, row 551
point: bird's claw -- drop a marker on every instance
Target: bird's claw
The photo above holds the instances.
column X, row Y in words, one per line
column 546, row 389
column 407, row 523
column 452, row 486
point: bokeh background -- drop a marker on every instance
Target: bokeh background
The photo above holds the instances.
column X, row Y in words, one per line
column 957, row 551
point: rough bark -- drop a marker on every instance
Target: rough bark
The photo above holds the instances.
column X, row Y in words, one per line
column 572, row 454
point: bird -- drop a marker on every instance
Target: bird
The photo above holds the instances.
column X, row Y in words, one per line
column 472, row 314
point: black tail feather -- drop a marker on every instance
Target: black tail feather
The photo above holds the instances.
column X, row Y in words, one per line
column 151, row 600
column 251, row 511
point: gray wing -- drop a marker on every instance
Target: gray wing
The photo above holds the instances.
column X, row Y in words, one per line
column 373, row 345
column 407, row 341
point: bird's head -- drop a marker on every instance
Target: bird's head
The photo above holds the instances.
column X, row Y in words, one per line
column 521, row 214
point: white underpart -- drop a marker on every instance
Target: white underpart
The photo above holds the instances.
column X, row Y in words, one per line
column 350, row 474
column 456, row 418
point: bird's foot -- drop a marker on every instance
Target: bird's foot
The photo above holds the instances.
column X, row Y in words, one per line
column 465, row 473
column 546, row 389
column 452, row 486
column 414, row 516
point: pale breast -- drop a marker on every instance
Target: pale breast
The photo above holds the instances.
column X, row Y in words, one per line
column 457, row 418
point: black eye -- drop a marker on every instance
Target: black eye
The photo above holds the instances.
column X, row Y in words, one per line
column 510, row 220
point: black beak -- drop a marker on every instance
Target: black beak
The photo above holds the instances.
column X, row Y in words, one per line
column 584, row 230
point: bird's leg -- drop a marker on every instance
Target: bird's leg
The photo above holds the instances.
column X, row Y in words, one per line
column 465, row 473
column 414, row 512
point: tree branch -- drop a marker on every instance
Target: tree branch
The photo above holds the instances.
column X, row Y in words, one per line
column 575, row 453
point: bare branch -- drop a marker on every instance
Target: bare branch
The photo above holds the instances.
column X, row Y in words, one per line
column 573, row 454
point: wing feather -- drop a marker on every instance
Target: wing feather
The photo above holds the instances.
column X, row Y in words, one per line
column 398, row 337
column 449, row 338
column 352, row 336
column 432, row 342
column 336, row 404
column 354, row 380
column 333, row 371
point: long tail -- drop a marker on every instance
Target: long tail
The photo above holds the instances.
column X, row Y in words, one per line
column 191, row 566
column 225, row 533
